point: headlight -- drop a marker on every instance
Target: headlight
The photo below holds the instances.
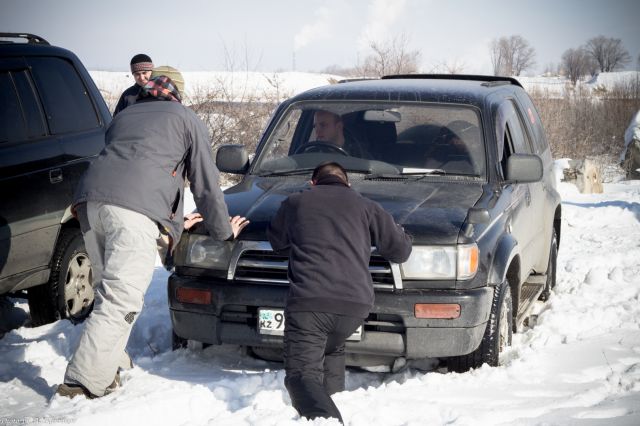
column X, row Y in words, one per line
column 441, row 262
column 205, row 252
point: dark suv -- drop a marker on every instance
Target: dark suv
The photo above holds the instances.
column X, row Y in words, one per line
column 460, row 161
column 52, row 122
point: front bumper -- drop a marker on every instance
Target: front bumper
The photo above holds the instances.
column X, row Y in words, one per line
column 390, row 330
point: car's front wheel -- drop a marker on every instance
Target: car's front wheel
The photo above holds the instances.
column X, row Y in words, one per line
column 69, row 292
column 497, row 336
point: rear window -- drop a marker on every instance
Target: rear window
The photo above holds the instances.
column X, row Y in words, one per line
column 66, row 101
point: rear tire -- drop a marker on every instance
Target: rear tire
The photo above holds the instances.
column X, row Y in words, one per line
column 551, row 268
column 69, row 292
column 497, row 336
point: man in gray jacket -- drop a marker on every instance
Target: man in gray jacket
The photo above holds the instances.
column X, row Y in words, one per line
column 129, row 197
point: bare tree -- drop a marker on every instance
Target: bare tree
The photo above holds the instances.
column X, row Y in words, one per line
column 498, row 60
column 448, row 67
column 390, row 57
column 575, row 63
column 609, row 53
column 511, row 55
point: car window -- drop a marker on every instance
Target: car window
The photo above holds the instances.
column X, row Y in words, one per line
column 30, row 106
column 12, row 124
column 518, row 136
column 66, row 101
column 384, row 137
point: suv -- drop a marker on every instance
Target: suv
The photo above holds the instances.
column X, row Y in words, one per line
column 52, row 122
column 461, row 162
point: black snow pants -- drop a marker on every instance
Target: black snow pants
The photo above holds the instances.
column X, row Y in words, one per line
column 314, row 360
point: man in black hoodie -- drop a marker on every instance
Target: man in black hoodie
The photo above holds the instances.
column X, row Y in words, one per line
column 329, row 231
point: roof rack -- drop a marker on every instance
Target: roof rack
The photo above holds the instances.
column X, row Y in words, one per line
column 491, row 80
column 349, row 80
column 31, row 38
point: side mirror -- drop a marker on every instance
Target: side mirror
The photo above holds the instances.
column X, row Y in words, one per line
column 524, row 168
column 232, row 159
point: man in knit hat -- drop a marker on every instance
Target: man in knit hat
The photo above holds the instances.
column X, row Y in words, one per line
column 141, row 68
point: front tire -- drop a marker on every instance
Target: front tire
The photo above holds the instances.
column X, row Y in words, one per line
column 497, row 336
column 69, row 292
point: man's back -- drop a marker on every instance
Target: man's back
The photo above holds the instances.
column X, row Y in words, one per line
column 150, row 148
column 330, row 230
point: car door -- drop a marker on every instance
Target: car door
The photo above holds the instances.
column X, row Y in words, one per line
column 525, row 221
column 30, row 212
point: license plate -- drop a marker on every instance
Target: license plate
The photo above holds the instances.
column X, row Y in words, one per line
column 271, row 321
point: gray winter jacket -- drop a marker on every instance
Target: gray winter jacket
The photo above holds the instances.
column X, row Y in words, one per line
column 150, row 148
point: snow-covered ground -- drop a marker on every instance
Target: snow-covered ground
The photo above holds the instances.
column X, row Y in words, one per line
column 601, row 83
column 579, row 364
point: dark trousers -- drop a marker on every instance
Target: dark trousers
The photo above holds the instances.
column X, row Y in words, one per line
column 314, row 360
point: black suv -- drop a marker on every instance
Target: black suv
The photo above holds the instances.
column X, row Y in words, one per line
column 460, row 161
column 52, row 122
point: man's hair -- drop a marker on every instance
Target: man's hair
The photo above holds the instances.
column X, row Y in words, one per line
column 329, row 168
column 337, row 118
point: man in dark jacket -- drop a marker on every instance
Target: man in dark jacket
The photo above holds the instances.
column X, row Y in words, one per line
column 329, row 231
column 129, row 197
column 141, row 67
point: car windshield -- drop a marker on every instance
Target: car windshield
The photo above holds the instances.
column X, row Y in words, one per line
column 377, row 139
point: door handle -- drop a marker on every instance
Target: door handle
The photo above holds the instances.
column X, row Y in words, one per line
column 55, row 175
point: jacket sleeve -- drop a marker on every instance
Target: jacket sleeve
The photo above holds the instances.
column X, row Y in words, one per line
column 392, row 242
column 277, row 232
column 119, row 105
column 204, row 179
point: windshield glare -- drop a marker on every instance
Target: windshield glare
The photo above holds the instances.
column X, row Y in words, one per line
column 371, row 138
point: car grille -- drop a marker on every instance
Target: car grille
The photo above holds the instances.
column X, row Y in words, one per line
column 267, row 267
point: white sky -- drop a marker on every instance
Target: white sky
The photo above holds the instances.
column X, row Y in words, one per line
column 193, row 35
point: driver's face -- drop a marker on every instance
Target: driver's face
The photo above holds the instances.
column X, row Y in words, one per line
column 328, row 127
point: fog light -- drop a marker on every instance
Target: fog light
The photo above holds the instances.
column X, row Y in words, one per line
column 193, row 295
column 437, row 310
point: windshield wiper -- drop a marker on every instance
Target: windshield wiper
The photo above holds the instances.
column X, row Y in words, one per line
column 290, row 172
column 294, row 172
column 407, row 174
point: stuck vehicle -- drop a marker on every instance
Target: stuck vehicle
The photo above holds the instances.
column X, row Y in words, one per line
column 52, row 123
column 461, row 162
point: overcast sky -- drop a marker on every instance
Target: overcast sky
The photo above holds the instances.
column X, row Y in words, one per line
column 311, row 35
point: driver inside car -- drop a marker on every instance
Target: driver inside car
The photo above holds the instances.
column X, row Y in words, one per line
column 329, row 128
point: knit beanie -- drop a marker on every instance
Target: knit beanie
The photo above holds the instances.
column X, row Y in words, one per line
column 141, row 62
column 172, row 73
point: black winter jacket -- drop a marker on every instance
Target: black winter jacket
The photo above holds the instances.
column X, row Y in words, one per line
column 127, row 98
column 329, row 230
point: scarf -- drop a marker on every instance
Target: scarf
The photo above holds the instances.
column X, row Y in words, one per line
column 160, row 87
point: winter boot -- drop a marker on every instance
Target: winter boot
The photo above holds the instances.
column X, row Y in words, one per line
column 70, row 390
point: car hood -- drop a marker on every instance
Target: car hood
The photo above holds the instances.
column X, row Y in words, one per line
column 431, row 211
